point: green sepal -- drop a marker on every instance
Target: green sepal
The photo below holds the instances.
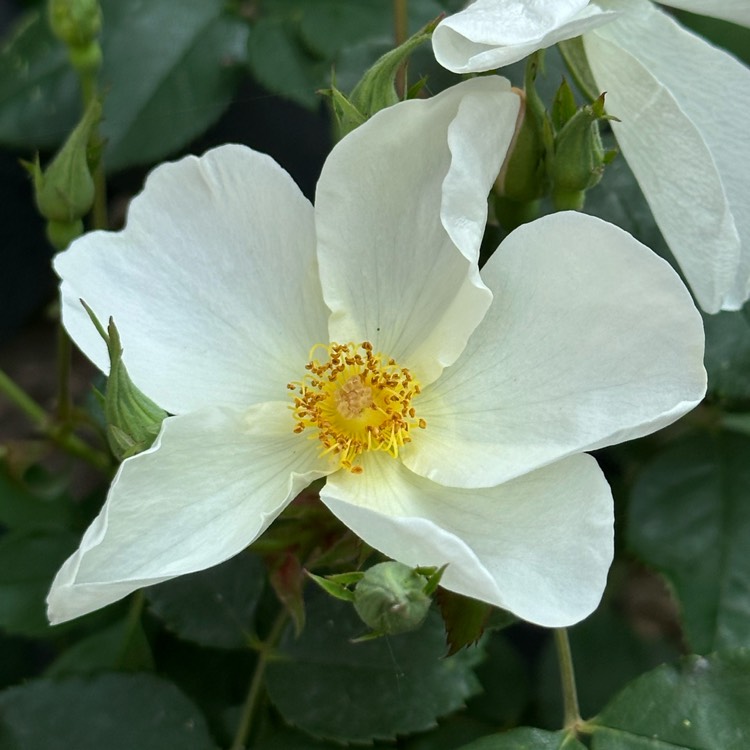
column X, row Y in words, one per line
column 579, row 156
column 522, row 179
column 564, row 106
column 347, row 116
column 133, row 419
column 64, row 191
column 377, row 88
column 335, row 589
column 574, row 55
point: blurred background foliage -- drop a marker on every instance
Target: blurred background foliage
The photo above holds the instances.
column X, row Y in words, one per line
column 171, row 668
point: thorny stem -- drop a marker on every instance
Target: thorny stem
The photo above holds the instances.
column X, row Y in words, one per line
column 572, row 715
column 265, row 653
column 401, row 33
column 57, row 434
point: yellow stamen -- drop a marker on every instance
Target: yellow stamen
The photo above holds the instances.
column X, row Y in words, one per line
column 356, row 401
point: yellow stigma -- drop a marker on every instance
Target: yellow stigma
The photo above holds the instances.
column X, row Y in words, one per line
column 356, row 401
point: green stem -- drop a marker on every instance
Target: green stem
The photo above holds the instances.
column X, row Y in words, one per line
column 572, row 715
column 401, row 34
column 54, row 432
column 265, row 653
column 99, row 218
column 64, row 358
column 22, row 400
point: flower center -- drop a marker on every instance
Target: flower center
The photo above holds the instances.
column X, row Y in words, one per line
column 356, row 401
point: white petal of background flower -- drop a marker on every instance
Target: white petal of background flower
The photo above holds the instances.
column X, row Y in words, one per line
column 389, row 270
column 680, row 101
column 737, row 11
column 539, row 546
column 491, row 33
column 213, row 283
column 591, row 340
column 211, row 484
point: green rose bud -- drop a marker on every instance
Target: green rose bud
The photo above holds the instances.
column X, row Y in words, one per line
column 64, row 191
column 391, row 598
column 377, row 88
column 579, row 156
column 75, row 22
column 133, row 419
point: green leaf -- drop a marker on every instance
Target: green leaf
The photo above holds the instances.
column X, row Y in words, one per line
column 28, row 562
column 169, row 72
column 598, row 678
column 698, row 704
column 168, row 75
column 23, row 510
column 38, row 89
column 464, row 618
column 213, row 607
column 690, row 519
column 122, row 646
column 332, row 688
column 279, row 63
column 527, row 738
column 727, row 355
column 505, row 683
column 116, row 712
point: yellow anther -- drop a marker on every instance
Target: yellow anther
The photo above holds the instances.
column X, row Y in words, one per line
column 355, row 401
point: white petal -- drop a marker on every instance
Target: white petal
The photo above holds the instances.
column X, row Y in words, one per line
column 390, row 272
column 669, row 89
column 210, row 485
column 539, row 546
column 737, row 11
column 491, row 33
column 591, row 340
column 213, row 283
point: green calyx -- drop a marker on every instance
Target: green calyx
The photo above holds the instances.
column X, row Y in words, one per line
column 133, row 419
column 377, row 88
column 579, row 157
column 64, row 191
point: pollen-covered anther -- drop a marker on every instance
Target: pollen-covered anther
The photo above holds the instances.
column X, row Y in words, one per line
column 356, row 401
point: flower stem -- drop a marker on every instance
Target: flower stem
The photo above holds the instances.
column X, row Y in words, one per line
column 265, row 653
column 401, row 34
column 56, row 433
column 572, row 715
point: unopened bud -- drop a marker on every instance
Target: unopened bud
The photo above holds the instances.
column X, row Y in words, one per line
column 64, row 191
column 377, row 88
column 392, row 598
column 133, row 419
column 579, row 156
column 75, row 22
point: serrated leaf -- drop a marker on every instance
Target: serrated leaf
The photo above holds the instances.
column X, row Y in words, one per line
column 699, row 704
column 116, row 712
column 689, row 518
column 464, row 618
column 28, row 562
column 527, row 738
column 334, row 689
column 168, row 75
column 213, row 607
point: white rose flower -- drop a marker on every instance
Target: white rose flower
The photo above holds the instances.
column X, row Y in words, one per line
column 356, row 340
column 682, row 105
